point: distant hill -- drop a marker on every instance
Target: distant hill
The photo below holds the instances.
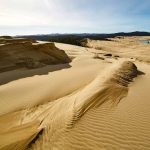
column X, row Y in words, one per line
column 76, row 38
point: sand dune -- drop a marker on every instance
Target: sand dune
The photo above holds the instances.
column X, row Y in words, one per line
column 94, row 104
column 25, row 53
column 125, row 47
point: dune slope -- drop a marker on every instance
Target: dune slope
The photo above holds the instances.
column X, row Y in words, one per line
column 129, row 47
column 60, row 117
column 25, row 53
column 100, row 102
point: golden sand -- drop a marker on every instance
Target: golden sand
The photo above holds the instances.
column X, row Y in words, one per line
column 95, row 104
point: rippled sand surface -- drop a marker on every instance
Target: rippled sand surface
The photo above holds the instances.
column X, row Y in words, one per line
column 100, row 102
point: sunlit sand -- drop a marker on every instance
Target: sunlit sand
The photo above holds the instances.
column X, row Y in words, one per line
column 96, row 101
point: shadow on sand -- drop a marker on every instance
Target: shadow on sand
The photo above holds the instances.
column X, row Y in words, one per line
column 140, row 72
column 9, row 76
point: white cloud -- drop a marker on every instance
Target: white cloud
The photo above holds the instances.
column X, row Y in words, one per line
column 38, row 12
column 45, row 16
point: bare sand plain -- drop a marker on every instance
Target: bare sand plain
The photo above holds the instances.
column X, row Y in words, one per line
column 99, row 100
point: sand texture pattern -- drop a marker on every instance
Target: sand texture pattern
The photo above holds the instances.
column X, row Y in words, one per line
column 95, row 104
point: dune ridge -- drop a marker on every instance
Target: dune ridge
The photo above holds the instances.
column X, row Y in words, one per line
column 95, row 103
column 126, row 47
column 60, row 116
column 112, row 89
column 25, row 53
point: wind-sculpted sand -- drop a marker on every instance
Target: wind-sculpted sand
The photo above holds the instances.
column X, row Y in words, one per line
column 129, row 47
column 96, row 104
column 25, row 53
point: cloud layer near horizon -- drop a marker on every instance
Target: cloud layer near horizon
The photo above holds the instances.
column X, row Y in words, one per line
column 73, row 16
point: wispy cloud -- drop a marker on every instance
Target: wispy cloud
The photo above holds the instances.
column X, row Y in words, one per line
column 49, row 16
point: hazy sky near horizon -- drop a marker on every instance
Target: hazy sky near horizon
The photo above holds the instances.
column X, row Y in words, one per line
column 22, row 17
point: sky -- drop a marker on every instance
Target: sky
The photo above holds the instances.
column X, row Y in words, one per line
column 28, row 17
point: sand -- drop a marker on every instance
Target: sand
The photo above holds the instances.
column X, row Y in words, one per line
column 93, row 104
column 28, row 54
column 128, row 47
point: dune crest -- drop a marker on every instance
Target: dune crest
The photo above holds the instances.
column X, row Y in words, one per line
column 25, row 53
column 90, row 105
column 127, row 47
column 58, row 117
column 113, row 88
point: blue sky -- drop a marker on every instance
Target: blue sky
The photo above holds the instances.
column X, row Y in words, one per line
column 73, row 16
